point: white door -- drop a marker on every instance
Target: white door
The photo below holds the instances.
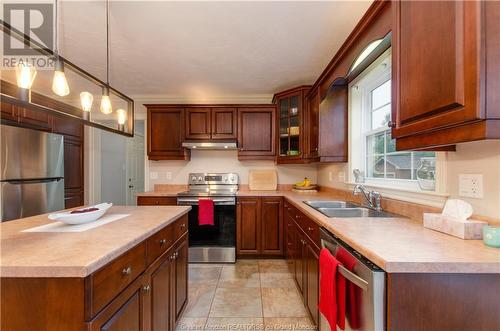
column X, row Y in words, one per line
column 135, row 168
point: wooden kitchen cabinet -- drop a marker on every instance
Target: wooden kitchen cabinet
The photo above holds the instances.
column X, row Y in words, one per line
column 256, row 133
column 445, row 72
column 165, row 133
column 125, row 313
column 248, row 233
column 224, row 123
column 333, row 125
column 311, row 122
column 259, row 226
column 198, row 123
column 35, row 119
column 303, row 256
column 296, row 126
column 8, row 112
column 159, row 294
column 180, row 279
column 272, row 226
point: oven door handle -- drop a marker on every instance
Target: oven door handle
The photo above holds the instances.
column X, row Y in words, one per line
column 230, row 201
column 349, row 275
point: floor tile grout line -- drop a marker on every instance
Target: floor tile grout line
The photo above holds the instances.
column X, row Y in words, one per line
column 213, row 298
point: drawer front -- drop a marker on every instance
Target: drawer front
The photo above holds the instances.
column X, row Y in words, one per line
column 310, row 228
column 160, row 242
column 180, row 226
column 110, row 280
column 156, row 201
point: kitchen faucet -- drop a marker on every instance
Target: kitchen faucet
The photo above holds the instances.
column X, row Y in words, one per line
column 372, row 197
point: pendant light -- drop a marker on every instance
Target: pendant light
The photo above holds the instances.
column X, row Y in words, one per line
column 106, row 107
column 86, row 99
column 122, row 118
column 25, row 75
column 59, row 83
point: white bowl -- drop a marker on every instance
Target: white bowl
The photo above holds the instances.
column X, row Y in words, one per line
column 82, row 218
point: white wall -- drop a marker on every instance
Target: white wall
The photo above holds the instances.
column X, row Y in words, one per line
column 481, row 157
column 224, row 161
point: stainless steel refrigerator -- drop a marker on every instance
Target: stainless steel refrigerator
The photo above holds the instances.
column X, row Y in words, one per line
column 32, row 172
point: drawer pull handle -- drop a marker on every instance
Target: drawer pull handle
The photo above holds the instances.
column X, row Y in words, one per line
column 183, row 225
column 157, row 202
column 147, row 288
column 163, row 242
column 310, row 229
column 126, row 271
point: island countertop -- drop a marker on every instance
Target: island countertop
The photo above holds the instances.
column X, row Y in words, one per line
column 77, row 254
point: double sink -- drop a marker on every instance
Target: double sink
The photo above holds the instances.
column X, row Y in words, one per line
column 343, row 209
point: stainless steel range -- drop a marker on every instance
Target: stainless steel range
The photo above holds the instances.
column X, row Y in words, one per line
column 217, row 243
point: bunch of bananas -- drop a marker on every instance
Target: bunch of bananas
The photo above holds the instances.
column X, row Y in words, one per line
column 305, row 183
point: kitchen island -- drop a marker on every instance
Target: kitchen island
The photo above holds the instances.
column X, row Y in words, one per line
column 128, row 274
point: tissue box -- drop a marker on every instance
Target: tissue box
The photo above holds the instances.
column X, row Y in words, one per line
column 469, row 229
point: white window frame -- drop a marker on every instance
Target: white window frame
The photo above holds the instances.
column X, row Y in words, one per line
column 359, row 121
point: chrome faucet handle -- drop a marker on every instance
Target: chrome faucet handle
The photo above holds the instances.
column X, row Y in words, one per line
column 375, row 199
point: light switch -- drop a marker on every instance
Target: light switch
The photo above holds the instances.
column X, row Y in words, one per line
column 470, row 185
column 169, row 175
column 153, row 175
column 330, row 176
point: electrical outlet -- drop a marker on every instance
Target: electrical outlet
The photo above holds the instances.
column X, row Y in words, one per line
column 169, row 175
column 330, row 176
column 341, row 176
column 153, row 175
column 470, row 186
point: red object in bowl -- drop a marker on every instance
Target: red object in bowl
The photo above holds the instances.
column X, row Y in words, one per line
column 81, row 211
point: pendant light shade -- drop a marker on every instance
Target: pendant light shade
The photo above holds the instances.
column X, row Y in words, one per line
column 59, row 83
column 105, row 107
column 25, row 75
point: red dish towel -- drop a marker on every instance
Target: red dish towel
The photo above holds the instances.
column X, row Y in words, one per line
column 328, row 287
column 353, row 291
column 205, row 212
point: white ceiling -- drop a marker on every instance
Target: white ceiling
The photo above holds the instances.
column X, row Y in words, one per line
column 207, row 49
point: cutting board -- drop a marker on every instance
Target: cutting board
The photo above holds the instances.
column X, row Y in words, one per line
column 262, row 180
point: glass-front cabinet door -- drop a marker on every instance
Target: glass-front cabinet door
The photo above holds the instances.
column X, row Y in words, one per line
column 289, row 126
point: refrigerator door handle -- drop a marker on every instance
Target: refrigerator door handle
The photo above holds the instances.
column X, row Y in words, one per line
column 32, row 181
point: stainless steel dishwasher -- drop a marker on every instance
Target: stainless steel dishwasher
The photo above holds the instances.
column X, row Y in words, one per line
column 370, row 284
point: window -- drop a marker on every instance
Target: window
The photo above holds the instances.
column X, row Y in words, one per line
column 379, row 159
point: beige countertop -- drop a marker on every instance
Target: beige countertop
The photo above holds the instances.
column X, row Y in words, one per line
column 77, row 254
column 396, row 244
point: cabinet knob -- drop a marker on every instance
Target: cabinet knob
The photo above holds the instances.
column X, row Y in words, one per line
column 310, row 229
column 157, row 202
column 163, row 242
column 183, row 225
column 126, row 271
column 146, row 288
column 391, row 124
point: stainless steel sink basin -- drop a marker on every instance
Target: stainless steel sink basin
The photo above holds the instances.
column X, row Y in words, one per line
column 330, row 204
column 353, row 212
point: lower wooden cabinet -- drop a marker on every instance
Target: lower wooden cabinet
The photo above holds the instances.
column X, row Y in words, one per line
column 180, row 277
column 259, row 226
column 302, row 255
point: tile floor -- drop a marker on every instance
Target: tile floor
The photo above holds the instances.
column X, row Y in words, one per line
column 249, row 295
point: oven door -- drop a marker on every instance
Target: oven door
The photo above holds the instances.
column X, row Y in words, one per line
column 212, row 243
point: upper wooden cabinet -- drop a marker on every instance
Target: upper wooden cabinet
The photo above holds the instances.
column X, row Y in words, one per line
column 311, row 121
column 198, row 123
column 224, row 123
column 206, row 123
column 256, row 132
column 292, row 125
column 165, row 133
column 446, row 72
column 333, row 126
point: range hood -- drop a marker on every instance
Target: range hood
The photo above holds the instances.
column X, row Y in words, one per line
column 217, row 145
